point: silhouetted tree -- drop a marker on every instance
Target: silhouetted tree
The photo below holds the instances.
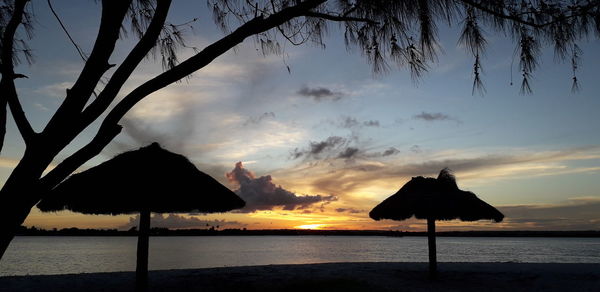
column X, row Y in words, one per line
column 386, row 32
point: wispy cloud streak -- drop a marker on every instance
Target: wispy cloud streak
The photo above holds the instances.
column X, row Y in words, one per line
column 320, row 93
column 432, row 117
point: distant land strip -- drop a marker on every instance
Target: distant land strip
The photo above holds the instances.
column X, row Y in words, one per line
column 33, row 231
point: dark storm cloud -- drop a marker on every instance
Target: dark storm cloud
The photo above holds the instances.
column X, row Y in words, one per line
column 174, row 221
column 258, row 119
column 320, row 93
column 431, row 117
column 262, row 194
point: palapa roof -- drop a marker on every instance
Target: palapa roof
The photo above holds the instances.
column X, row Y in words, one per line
column 148, row 178
column 440, row 199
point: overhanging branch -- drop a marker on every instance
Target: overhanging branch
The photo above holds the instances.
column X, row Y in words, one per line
column 69, row 165
column 583, row 10
column 17, row 112
column 8, row 92
column 206, row 56
column 339, row 17
column 113, row 13
column 106, row 134
column 110, row 127
column 124, row 71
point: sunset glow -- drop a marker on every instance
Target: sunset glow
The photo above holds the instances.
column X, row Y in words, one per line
column 310, row 226
column 312, row 139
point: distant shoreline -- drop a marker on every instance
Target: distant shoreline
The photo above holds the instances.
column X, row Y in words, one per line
column 23, row 231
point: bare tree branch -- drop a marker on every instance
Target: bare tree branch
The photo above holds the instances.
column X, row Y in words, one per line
column 108, row 94
column 113, row 13
column 583, row 10
column 339, row 17
column 137, row 54
column 17, row 112
column 203, row 58
column 7, row 85
column 69, row 165
column 79, row 50
column 110, row 128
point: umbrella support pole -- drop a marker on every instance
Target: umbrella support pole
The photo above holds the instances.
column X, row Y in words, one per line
column 432, row 251
column 141, row 270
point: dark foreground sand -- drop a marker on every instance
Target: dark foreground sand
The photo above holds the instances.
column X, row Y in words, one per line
column 369, row 277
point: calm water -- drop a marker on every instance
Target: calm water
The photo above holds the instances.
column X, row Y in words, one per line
column 60, row 255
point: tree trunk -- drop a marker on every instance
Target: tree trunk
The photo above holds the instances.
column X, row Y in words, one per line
column 13, row 212
column 18, row 195
column 432, row 252
column 14, row 208
column 141, row 270
column 8, row 228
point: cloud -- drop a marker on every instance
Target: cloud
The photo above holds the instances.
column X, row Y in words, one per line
column 572, row 214
column 175, row 138
column 220, row 141
column 261, row 194
column 371, row 123
column 390, row 151
column 349, row 210
column 335, row 147
column 315, row 149
column 431, row 117
column 319, row 147
column 11, row 163
column 41, row 107
column 373, row 176
column 171, row 102
column 174, row 221
column 348, row 122
column 8, row 162
column 416, row 149
column 320, row 93
column 57, row 90
column 258, row 119
column 349, row 153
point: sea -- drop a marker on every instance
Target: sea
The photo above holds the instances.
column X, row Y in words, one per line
column 39, row 255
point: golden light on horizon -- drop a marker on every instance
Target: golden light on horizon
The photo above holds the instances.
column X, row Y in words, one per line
column 310, row 226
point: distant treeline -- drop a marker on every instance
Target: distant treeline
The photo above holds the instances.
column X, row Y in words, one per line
column 33, row 231
column 523, row 233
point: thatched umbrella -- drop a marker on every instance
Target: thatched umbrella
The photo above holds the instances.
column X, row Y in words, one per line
column 142, row 181
column 434, row 199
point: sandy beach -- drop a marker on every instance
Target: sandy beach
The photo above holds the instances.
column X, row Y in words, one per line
column 333, row 277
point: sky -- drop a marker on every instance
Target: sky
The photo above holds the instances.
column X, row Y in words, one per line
column 320, row 145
